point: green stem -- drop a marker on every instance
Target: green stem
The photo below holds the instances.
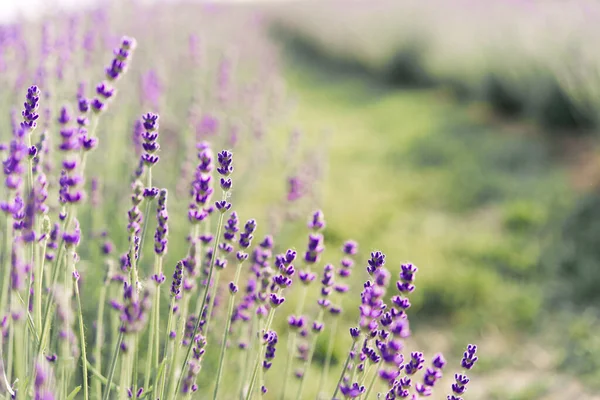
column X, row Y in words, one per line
column 183, row 319
column 306, row 368
column 86, row 395
column 101, row 378
column 97, row 387
column 157, row 320
column 372, row 382
column 38, row 291
column 248, row 352
column 259, row 356
column 55, row 275
column 168, row 342
column 146, row 212
column 6, row 264
column 226, row 333
column 205, row 295
column 292, row 345
column 113, row 364
column 339, row 382
column 331, row 341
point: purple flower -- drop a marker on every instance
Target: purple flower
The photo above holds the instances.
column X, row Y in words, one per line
column 352, row 391
column 377, row 261
column 415, row 363
column 469, row 357
column 31, row 106
column 224, row 158
column 150, row 136
column 317, row 221
column 246, row 235
column 177, row 279
column 162, row 229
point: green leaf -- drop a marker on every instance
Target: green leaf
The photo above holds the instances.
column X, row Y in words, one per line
column 72, row 395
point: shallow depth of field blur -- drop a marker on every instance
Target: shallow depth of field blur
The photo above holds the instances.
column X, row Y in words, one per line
column 461, row 137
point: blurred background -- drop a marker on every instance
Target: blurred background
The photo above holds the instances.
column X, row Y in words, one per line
column 461, row 136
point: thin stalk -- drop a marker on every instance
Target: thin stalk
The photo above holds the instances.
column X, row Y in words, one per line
column 150, row 348
column 97, row 383
column 157, row 320
column 146, row 211
column 134, row 361
column 86, row 394
column 339, row 382
column 212, row 298
column 126, row 362
column 183, row 320
column 6, row 263
column 292, row 345
column 246, row 367
column 168, row 342
column 39, row 281
column 19, row 360
column 101, row 378
column 113, row 365
column 259, row 356
column 55, row 274
column 205, row 295
column 372, row 382
column 11, row 347
column 226, row 333
column 331, row 341
column 309, row 359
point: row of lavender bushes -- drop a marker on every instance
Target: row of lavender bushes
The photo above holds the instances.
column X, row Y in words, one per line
column 125, row 266
column 532, row 59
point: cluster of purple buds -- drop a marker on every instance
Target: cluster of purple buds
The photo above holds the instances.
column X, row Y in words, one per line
column 407, row 275
column 261, row 267
column 460, row 380
column 225, row 168
column 73, row 238
column 150, row 136
column 53, row 242
column 376, row 261
column 350, row 249
column 352, row 391
column 177, row 280
column 201, row 190
column 31, row 106
column 134, row 309
column 189, row 382
column 270, row 340
column 231, row 228
column 246, row 235
column 162, row 217
column 13, row 165
column 118, row 66
column 327, row 285
column 134, row 214
column 83, row 105
column 70, row 183
column 372, row 305
column 315, row 240
column 431, row 376
column 70, row 138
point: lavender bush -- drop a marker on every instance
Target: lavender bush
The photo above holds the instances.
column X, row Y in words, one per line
column 172, row 279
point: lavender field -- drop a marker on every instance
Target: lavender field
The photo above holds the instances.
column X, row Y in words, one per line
column 236, row 201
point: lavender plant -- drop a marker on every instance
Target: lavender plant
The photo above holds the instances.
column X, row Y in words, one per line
column 145, row 341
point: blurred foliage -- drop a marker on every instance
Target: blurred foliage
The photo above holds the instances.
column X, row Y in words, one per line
column 573, row 254
column 508, row 61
